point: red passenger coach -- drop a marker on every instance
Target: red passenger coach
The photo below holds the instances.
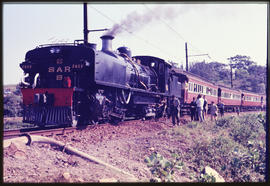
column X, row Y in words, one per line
column 193, row 85
column 231, row 98
column 251, row 101
column 198, row 86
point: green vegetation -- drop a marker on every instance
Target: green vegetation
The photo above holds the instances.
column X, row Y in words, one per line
column 234, row 146
column 13, row 103
column 247, row 75
column 12, row 125
column 162, row 168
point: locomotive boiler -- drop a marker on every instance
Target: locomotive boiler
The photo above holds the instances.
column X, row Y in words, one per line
column 75, row 83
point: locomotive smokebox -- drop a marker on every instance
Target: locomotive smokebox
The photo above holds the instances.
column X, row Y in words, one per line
column 107, row 42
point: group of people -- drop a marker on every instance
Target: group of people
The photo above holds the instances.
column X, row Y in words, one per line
column 199, row 109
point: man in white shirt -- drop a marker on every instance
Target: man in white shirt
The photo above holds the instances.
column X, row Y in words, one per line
column 200, row 102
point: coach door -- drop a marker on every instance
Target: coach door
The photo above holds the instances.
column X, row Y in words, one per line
column 219, row 95
column 242, row 99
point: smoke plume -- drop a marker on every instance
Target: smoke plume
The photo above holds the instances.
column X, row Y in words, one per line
column 135, row 21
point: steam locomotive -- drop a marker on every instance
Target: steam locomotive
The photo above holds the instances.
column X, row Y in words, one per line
column 72, row 84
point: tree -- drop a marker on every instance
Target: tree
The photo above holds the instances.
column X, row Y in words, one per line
column 241, row 62
column 248, row 75
column 213, row 71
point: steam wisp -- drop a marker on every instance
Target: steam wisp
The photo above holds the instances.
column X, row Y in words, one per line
column 135, row 21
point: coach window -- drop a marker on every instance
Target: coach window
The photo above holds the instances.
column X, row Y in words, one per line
column 215, row 92
column 195, row 87
column 211, row 91
column 201, row 88
column 236, row 96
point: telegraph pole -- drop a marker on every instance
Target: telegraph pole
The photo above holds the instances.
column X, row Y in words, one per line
column 186, row 57
column 85, row 27
column 231, row 77
column 191, row 55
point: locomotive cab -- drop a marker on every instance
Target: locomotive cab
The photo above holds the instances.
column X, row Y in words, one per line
column 158, row 70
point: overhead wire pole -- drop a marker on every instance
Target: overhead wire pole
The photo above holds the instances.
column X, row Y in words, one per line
column 231, row 76
column 186, row 49
column 186, row 57
column 85, row 26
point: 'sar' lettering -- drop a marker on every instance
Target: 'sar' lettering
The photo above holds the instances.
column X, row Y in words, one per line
column 59, row 69
column 67, row 68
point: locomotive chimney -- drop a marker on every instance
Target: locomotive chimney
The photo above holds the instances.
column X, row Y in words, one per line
column 107, row 42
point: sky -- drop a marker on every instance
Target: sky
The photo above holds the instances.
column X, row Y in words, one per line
column 218, row 30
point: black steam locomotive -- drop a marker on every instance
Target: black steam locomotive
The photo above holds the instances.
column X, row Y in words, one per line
column 69, row 84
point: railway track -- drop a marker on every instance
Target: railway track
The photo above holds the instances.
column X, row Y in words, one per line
column 37, row 131
column 53, row 131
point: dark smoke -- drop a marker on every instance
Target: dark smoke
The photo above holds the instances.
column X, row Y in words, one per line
column 135, row 21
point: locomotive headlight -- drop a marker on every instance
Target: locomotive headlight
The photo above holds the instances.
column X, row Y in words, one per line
column 54, row 50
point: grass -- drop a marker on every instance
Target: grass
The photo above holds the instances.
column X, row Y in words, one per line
column 234, row 146
column 12, row 125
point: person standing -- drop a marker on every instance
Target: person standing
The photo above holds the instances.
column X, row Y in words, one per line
column 193, row 106
column 238, row 111
column 175, row 105
column 221, row 109
column 213, row 111
column 160, row 109
column 200, row 102
column 205, row 108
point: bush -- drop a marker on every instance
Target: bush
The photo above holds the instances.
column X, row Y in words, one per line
column 161, row 168
column 239, row 156
column 226, row 122
column 248, row 128
column 13, row 104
